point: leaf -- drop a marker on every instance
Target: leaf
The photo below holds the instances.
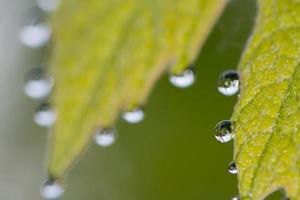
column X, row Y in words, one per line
column 267, row 117
column 107, row 56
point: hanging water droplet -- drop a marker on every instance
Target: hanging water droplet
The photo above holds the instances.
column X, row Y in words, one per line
column 228, row 83
column 38, row 85
column 35, row 31
column 51, row 189
column 235, row 198
column 48, row 5
column 45, row 116
column 224, row 131
column 183, row 80
column 134, row 116
column 232, row 169
column 105, row 137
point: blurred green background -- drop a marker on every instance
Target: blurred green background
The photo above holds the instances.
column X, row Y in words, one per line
column 172, row 154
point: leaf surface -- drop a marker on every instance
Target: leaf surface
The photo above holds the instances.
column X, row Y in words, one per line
column 267, row 117
column 107, row 56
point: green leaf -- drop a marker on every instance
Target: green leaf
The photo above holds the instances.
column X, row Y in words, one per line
column 107, row 56
column 267, row 117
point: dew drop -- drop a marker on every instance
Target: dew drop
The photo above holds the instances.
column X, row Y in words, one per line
column 183, row 80
column 51, row 189
column 105, row 137
column 38, row 85
column 134, row 116
column 228, row 83
column 35, row 36
column 235, row 198
column 48, row 5
column 35, row 31
column 224, row 131
column 232, row 169
column 45, row 116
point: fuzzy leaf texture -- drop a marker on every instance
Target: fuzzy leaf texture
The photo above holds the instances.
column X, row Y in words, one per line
column 267, row 117
column 107, row 56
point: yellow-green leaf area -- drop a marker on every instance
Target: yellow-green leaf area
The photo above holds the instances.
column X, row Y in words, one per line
column 267, row 117
column 107, row 56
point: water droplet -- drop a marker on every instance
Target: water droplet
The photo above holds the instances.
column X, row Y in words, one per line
column 45, row 116
column 134, row 116
column 228, row 84
column 232, row 169
column 105, row 137
column 51, row 189
column 48, row 5
column 35, row 36
column 235, row 198
column 38, row 85
column 35, row 31
column 183, row 80
column 224, row 131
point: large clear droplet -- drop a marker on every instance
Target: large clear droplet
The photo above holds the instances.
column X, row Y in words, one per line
column 134, row 116
column 228, row 83
column 45, row 116
column 232, row 169
column 48, row 5
column 38, row 85
column 105, row 137
column 35, row 31
column 224, row 131
column 51, row 189
column 183, row 80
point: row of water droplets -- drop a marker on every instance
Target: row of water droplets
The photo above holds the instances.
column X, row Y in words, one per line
column 228, row 85
column 36, row 33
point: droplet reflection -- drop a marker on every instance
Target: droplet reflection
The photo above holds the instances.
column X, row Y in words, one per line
column 105, row 137
column 45, row 116
column 183, row 80
column 228, row 83
column 232, row 169
column 37, row 84
column 35, row 31
column 235, row 198
column 224, row 131
column 134, row 116
column 51, row 190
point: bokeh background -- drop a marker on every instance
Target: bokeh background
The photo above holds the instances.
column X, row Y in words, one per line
column 172, row 154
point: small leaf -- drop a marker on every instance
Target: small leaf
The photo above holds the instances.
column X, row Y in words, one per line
column 267, row 117
column 107, row 56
